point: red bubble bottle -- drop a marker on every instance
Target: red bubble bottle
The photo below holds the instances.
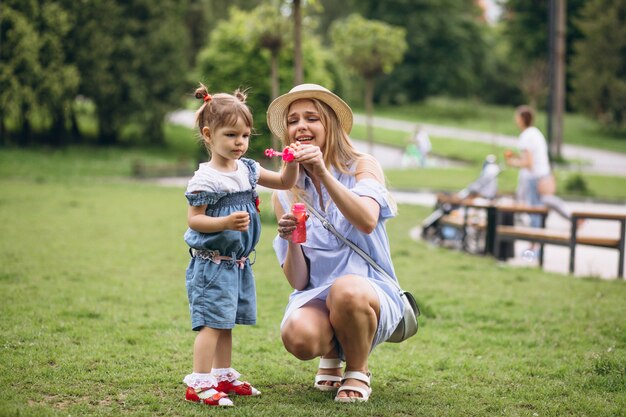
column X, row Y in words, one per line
column 299, row 211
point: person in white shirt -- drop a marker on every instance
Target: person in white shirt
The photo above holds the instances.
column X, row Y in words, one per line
column 536, row 184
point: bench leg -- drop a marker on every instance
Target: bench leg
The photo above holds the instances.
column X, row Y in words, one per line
column 572, row 245
column 622, row 239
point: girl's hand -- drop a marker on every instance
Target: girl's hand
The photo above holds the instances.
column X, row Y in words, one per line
column 238, row 220
column 311, row 157
column 286, row 226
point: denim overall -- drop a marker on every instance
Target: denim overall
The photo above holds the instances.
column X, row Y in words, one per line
column 219, row 280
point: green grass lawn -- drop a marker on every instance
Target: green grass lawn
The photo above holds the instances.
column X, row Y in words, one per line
column 95, row 318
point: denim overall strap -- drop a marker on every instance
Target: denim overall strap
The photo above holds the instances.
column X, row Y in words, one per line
column 252, row 177
column 252, row 174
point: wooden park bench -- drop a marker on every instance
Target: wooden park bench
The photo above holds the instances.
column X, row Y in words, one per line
column 468, row 224
column 500, row 231
column 545, row 236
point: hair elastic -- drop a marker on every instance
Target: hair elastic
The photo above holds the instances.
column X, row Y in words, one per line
column 207, row 97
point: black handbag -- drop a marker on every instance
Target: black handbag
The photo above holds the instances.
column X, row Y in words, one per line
column 408, row 325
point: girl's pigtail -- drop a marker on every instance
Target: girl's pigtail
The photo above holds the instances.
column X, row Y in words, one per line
column 202, row 93
column 241, row 95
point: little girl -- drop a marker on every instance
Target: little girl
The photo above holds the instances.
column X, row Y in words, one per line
column 224, row 228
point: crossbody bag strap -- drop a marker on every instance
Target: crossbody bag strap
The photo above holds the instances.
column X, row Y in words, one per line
column 328, row 226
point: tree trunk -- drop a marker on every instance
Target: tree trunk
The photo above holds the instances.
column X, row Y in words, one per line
column 107, row 135
column 3, row 139
column 275, row 80
column 275, row 92
column 26, row 135
column 298, row 75
column 74, row 129
column 369, row 105
column 57, row 130
column 156, row 133
column 557, row 77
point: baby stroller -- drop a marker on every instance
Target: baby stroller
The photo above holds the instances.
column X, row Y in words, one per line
column 471, row 239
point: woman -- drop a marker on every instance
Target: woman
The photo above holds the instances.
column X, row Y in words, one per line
column 536, row 185
column 341, row 308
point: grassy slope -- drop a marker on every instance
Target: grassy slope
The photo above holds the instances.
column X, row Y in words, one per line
column 578, row 129
column 95, row 321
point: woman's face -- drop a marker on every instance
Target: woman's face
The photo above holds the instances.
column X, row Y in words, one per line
column 520, row 122
column 304, row 124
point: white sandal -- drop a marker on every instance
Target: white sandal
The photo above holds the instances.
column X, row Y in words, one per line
column 321, row 379
column 365, row 392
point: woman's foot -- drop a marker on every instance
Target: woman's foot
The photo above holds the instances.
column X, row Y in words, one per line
column 355, row 387
column 329, row 373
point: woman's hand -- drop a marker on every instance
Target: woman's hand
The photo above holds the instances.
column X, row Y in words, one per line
column 312, row 158
column 286, row 226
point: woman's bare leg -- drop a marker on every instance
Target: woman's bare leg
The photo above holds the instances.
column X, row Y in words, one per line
column 354, row 310
column 307, row 334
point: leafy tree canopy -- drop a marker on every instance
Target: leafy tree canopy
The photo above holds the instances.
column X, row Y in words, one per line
column 599, row 66
column 369, row 47
column 234, row 59
column 445, row 47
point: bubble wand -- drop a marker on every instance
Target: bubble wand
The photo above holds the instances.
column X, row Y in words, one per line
column 287, row 154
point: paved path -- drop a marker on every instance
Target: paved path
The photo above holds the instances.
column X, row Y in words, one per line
column 594, row 160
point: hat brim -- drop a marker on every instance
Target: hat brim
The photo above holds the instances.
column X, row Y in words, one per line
column 276, row 112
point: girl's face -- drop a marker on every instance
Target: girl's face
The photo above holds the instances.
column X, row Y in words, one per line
column 227, row 143
column 304, row 124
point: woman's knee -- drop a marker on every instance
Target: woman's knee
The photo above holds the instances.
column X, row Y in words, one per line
column 351, row 293
column 300, row 340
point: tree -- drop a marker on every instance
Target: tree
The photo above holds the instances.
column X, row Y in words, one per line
column 446, row 49
column 202, row 15
column 19, row 67
column 599, row 66
column 268, row 28
column 370, row 48
column 132, row 59
column 298, row 72
column 59, row 79
column 526, row 29
column 298, row 8
column 232, row 60
column 37, row 82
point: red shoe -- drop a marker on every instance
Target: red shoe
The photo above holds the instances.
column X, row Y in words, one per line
column 244, row 388
column 204, row 395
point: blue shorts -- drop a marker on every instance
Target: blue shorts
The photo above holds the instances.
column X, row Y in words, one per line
column 220, row 295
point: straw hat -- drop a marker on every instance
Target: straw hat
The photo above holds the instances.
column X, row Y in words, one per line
column 276, row 119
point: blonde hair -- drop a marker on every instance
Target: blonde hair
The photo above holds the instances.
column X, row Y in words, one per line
column 221, row 109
